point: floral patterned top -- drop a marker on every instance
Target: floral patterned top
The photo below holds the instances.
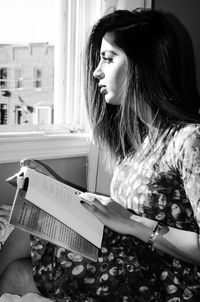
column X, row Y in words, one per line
column 166, row 187
column 163, row 187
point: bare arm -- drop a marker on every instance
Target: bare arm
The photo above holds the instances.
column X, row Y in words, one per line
column 175, row 242
column 178, row 243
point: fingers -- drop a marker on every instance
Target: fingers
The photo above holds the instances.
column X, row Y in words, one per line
column 92, row 196
column 91, row 199
column 25, row 162
column 87, row 196
column 32, row 164
column 29, row 163
column 95, row 209
column 100, row 204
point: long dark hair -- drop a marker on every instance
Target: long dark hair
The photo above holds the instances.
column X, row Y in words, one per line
column 154, row 100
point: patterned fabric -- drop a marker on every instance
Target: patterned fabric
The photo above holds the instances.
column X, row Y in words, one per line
column 65, row 276
column 164, row 187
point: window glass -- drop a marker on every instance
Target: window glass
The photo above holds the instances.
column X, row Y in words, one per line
column 18, row 78
column 38, row 78
column 27, row 51
column 3, row 78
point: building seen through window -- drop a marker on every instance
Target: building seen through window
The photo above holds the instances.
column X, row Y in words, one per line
column 41, row 64
column 27, row 84
column 27, row 62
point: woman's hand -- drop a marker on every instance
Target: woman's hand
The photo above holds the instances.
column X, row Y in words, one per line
column 109, row 212
column 5, row 210
column 35, row 165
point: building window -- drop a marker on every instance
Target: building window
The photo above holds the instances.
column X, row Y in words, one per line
column 43, row 115
column 18, row 115
column 37, row 78
column 3, row 114
column 18, row 78
column 3, row 77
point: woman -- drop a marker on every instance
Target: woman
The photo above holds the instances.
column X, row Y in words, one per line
column 138, row 114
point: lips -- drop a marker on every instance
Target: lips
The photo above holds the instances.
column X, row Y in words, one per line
column 103, row 90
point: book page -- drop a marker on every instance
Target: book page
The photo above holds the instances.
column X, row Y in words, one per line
column 32, row 219
column 63, row 202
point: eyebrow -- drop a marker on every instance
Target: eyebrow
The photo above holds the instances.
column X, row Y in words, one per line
column 103, row 53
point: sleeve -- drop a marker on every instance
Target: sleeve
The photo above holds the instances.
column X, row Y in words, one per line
column 190, row 170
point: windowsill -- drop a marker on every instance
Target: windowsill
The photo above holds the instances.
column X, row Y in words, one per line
column 39, row 145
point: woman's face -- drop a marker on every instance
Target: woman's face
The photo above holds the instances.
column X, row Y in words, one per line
column 111, row 71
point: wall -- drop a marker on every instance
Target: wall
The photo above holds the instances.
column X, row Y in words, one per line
column 72, row 170
column 188, row 31
column 103, row 177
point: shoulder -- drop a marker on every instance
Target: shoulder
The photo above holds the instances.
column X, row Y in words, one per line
column 188, row 137
column 186, row 145
column 183, row 141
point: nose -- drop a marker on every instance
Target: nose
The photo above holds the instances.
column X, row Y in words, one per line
column 98, row 73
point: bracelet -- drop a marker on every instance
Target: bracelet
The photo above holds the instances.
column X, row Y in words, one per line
column 154, row 235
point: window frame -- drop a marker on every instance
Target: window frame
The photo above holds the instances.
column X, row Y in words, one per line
column 64, row 138
column 15, row 147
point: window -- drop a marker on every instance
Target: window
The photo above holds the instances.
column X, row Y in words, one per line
column 42, row 111
column 38, row 78
column 3, row 77
column 44, row 115
column 3, row 114
column 18, row 78
column 41, row 73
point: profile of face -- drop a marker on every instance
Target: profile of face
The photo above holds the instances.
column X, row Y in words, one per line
column 111, row 71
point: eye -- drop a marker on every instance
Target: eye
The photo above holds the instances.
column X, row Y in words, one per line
column 107, row 60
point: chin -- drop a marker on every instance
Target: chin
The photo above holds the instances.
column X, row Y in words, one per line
column 111, row 101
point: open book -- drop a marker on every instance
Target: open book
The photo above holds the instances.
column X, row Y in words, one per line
column 52, row 210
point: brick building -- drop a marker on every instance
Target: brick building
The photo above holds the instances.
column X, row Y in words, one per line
column 26, row 83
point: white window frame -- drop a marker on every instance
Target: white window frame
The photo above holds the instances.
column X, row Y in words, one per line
column 60, row 140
